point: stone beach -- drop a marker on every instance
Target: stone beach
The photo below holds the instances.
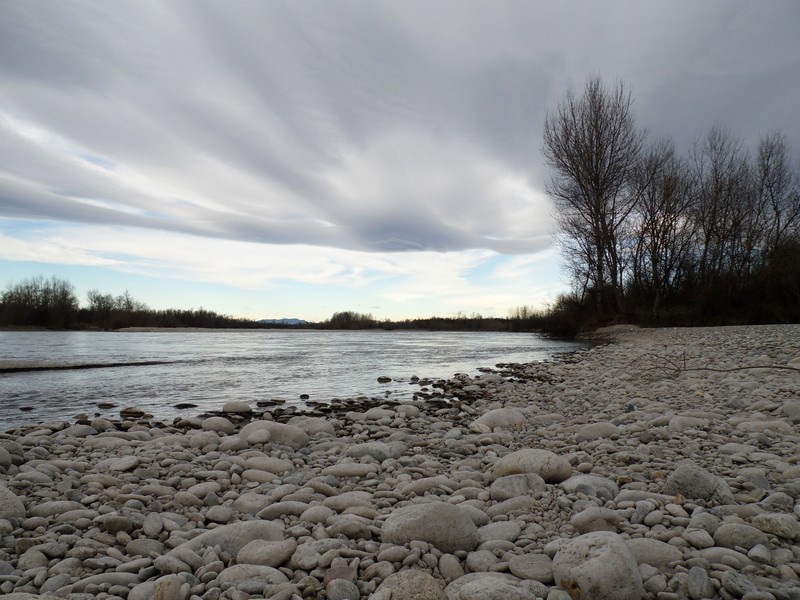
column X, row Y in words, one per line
column 663, row 465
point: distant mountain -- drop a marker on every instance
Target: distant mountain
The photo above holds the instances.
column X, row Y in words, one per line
column 283, row 322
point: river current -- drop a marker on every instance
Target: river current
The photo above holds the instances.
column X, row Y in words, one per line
column 156, row 371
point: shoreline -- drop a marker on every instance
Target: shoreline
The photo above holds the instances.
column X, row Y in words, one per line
column 536, row 468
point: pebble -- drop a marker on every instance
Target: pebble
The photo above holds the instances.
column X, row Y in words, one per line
column 604, row 475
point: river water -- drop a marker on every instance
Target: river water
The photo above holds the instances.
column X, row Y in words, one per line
column 208, row 368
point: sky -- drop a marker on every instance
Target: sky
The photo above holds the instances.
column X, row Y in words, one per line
column 275, row 159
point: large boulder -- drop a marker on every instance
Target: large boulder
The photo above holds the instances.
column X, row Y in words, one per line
column 550, row 467
column 694, row 482
column 443, row 525
column 598, row 566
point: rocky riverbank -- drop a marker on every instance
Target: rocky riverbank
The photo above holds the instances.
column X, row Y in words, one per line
column 664, row 465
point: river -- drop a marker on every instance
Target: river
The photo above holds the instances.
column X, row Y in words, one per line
column 155, row 371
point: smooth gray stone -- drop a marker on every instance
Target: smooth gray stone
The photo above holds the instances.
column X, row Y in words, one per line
column 513, row 486
column 550, row 467
column 699, row 584
column 341, row 589
column 694, row 482
column 491, row 586
column 411, row 585
column 232, row 538
column 600, row 565
column 447, row 527
column 111, row 578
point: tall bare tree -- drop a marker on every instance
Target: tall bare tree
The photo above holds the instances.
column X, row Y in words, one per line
column 664, row 234
column 724, row 183
column 592, row 145
column 778, row 189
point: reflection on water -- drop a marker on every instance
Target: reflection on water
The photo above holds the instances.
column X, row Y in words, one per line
column 208, row 368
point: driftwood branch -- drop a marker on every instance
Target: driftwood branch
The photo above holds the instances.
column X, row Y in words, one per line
column 675, row 365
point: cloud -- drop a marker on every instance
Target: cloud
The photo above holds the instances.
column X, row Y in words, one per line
column 408, row 127
column 416, row 283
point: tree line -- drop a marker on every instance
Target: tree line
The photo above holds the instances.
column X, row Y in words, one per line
column 52, row 303
column 659, row 237
column 353, row 320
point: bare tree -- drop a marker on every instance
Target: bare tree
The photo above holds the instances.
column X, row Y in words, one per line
column 592, row 145
column 100, row 307
column 778, row 191
column 664, row 232
column 39, row 301
column 723, row 178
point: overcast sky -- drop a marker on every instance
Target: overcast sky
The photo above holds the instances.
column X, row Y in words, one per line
column 270, row 159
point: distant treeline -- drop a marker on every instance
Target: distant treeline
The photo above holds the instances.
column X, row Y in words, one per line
column 474, row 322
column 53, row 304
